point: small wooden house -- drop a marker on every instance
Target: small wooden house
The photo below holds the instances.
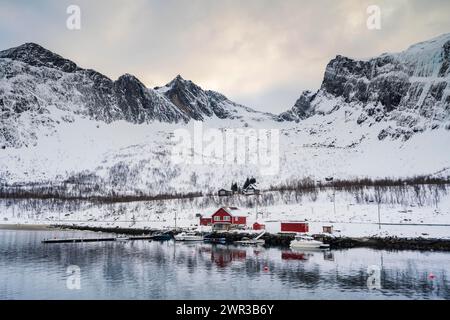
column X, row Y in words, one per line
column 224, row 193
column 251, row 191
column 227, row 218
column 327, row 229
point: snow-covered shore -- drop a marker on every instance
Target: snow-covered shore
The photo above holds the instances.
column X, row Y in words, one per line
column 427, row 217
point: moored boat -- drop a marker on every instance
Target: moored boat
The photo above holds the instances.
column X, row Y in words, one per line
column 188, row 236
column 251, row 242
column 307, row 242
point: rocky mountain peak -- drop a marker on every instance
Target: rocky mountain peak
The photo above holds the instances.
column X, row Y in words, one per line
column 36, row 55
column 178, row 78
column 129, row 79
column 179, row 83
column 189, row 98
column 301, row 109
column 410, row 90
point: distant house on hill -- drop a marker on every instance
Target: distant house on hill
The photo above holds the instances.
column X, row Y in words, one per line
column 251, row 190
column 224, row 193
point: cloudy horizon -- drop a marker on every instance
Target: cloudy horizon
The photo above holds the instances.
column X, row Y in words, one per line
column 259, row 53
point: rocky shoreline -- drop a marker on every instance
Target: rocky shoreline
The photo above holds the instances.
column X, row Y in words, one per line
column 283, row 240
column 389, row 243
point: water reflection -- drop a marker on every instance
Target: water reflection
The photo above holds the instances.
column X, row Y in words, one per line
column 169, row 270
column 295, row 255
column 222, row 257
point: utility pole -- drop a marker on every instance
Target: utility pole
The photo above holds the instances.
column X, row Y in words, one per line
column 378, row 199
column 331, row 179
column 175, row 219
column 379, row 217
column 256, row 206
column 334, row 202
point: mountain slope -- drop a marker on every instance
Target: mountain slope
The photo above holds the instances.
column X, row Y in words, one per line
column 199, row 104
column 74, row 127
column 409, row 91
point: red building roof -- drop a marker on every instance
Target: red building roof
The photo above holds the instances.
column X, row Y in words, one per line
column 228, row 216
column 225, row 215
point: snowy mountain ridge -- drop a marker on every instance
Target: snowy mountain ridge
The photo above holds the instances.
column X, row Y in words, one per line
column 410, row 90
column 33, row 81
column 386, row 116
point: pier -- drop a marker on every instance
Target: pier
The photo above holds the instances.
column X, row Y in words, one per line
column 102, row 239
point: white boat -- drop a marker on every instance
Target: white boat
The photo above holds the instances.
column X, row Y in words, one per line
column 188, row 236
column 307, row 242
column 252, row 242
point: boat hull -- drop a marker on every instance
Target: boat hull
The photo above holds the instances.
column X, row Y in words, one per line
column 250, row 242
column 308, row 245
column 188, row 238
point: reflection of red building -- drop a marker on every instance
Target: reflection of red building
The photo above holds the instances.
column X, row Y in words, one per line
column 295, row 227
column 289, row 255
column 225, row 219
column 224, row 257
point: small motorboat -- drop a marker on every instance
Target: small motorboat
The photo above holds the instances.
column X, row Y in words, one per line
column 122, row 238
column 307, row 242
column 188, row 236
column 161, row 237
column 252, row 242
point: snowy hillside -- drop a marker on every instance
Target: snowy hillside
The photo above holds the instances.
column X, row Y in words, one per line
column 388, row 116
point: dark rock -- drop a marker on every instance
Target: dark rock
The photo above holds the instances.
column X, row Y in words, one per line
column 301, row 109
column 35, row 55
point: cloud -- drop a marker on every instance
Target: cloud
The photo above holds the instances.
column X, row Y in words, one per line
column 261, row 53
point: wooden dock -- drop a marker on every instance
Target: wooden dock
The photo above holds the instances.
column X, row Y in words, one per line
column 102, row 239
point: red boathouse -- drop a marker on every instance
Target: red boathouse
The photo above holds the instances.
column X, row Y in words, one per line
column 294, row 227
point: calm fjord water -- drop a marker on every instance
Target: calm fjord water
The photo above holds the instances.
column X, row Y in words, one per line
column 168, row 270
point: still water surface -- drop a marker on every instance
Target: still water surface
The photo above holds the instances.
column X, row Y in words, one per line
column 168, row 270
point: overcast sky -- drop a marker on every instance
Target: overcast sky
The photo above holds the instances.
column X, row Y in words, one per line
column 261, row 53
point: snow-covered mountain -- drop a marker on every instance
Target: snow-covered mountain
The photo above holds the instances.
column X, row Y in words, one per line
column 410, row 90
column 385, row 116
column 199, row 104
column 39, row 88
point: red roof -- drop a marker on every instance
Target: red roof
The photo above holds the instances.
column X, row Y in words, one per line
column 228, row 216
column 232, row 211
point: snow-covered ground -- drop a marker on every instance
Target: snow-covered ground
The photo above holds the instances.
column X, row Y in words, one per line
column 129, row 158
column 336, row 135
column 429, row 219
column 62, row 146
